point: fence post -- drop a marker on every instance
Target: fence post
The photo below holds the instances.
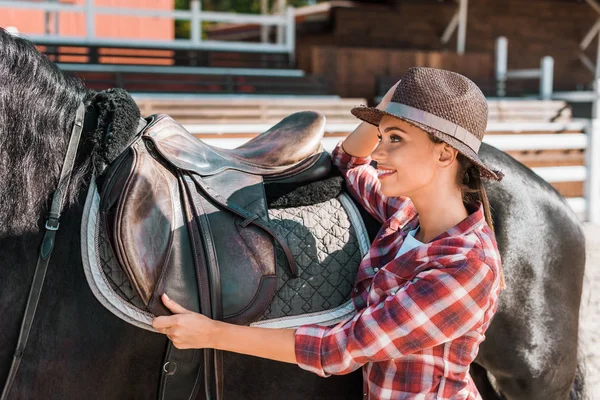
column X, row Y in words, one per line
column 264, row 29
column 592, row 183
column 90, row 20
column 547, row 77
column 281, row 11
column 501, row 65
column 462, row 27
column 196, row 22
column 290, row 32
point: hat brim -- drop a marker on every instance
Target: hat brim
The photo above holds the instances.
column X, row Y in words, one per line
column 374, row 115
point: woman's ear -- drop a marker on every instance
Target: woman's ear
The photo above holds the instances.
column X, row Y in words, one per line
column 447, row 154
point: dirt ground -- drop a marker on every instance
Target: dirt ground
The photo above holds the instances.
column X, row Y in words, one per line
column 589, row 325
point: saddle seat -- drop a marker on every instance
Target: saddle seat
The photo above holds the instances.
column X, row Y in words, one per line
column 289, row 152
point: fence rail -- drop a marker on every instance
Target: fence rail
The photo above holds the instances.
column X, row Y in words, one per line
column 505, row 136
column 285, row 22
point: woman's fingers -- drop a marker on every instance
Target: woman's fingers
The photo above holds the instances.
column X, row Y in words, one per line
column 173, row 306
column 164, row 322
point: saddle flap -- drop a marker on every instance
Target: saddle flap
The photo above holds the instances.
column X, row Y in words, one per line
column 142, row 220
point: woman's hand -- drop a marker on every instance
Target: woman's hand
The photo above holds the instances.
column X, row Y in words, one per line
column 388, row 97
column 186, row 329
column 362, row 141
column 190, row 330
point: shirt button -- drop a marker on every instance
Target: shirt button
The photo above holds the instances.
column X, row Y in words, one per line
column 394, row 291
column 375, row 269
column 355, row 290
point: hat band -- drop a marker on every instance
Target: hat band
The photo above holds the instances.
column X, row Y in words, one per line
column 433, row 121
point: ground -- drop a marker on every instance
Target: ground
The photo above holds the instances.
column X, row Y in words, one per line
column 590, row 312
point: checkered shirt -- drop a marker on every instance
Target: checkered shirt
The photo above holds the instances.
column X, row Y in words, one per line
column 420, row 316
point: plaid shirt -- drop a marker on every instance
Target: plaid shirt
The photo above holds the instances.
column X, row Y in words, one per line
column 420, row 316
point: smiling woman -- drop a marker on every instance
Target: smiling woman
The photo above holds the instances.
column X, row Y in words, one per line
column 430, row 284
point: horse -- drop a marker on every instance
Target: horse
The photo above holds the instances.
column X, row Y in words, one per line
column 77, row 348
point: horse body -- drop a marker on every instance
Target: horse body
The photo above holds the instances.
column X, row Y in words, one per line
column 78, row 349
column 531, row 344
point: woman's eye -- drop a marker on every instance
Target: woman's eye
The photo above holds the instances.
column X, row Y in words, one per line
column 395, row 138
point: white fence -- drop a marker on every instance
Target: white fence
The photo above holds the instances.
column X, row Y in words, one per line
column 285, row 23
column 545, row 73
column 587, row 207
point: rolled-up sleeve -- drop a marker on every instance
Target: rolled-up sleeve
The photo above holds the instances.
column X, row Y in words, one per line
column 363, row 183
column 435, row 307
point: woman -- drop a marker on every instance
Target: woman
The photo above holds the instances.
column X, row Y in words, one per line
column 428, row 288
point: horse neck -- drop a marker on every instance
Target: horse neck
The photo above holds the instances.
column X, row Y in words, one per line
column 19, row 255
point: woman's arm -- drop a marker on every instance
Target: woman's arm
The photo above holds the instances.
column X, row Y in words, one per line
column 437, row 306
column 190, row 330
column 362, row 141
column 274, row 344
column 352, row 158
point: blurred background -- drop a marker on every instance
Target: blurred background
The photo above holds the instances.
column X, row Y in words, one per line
column 230, row 69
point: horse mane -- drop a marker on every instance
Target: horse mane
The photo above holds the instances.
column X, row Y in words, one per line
column 37, row 111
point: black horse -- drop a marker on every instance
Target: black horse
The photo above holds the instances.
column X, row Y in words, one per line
column 78, row 349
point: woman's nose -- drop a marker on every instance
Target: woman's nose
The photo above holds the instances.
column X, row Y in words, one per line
column 379, row 152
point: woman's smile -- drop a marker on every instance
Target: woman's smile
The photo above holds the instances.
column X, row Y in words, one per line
column 383, row 172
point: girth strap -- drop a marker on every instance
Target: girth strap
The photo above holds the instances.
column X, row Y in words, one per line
column 52, row 225
column 209, row 283
column 180, row 374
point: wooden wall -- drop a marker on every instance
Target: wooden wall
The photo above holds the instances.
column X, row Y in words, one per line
column 352, row 72
column 534, row 28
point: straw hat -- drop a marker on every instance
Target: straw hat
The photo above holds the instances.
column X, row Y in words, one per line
column 445, row 104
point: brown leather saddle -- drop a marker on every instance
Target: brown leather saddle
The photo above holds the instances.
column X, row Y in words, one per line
column 191, row 220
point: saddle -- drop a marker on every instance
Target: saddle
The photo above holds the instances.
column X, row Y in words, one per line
column 191, row 220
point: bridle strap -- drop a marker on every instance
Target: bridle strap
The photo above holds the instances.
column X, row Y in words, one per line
column 52, row 224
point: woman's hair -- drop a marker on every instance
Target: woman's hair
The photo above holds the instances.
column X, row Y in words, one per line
column 471, row 186
column 470, row 183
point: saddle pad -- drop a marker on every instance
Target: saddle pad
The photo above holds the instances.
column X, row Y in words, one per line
column 334, row 226
column 328, row 247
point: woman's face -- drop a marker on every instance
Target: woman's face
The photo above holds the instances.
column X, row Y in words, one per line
column 407, row 160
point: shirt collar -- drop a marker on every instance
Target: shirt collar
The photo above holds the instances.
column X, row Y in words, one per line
column 474, row 221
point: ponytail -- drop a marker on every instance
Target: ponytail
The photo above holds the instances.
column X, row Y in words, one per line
column 473, row 190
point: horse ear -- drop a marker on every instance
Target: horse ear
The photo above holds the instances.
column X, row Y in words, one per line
column 117, row 122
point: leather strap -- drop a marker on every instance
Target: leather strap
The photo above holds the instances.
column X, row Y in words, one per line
column 207, row 272
column 249, row 218
column 52, row 225
column 180, row 374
